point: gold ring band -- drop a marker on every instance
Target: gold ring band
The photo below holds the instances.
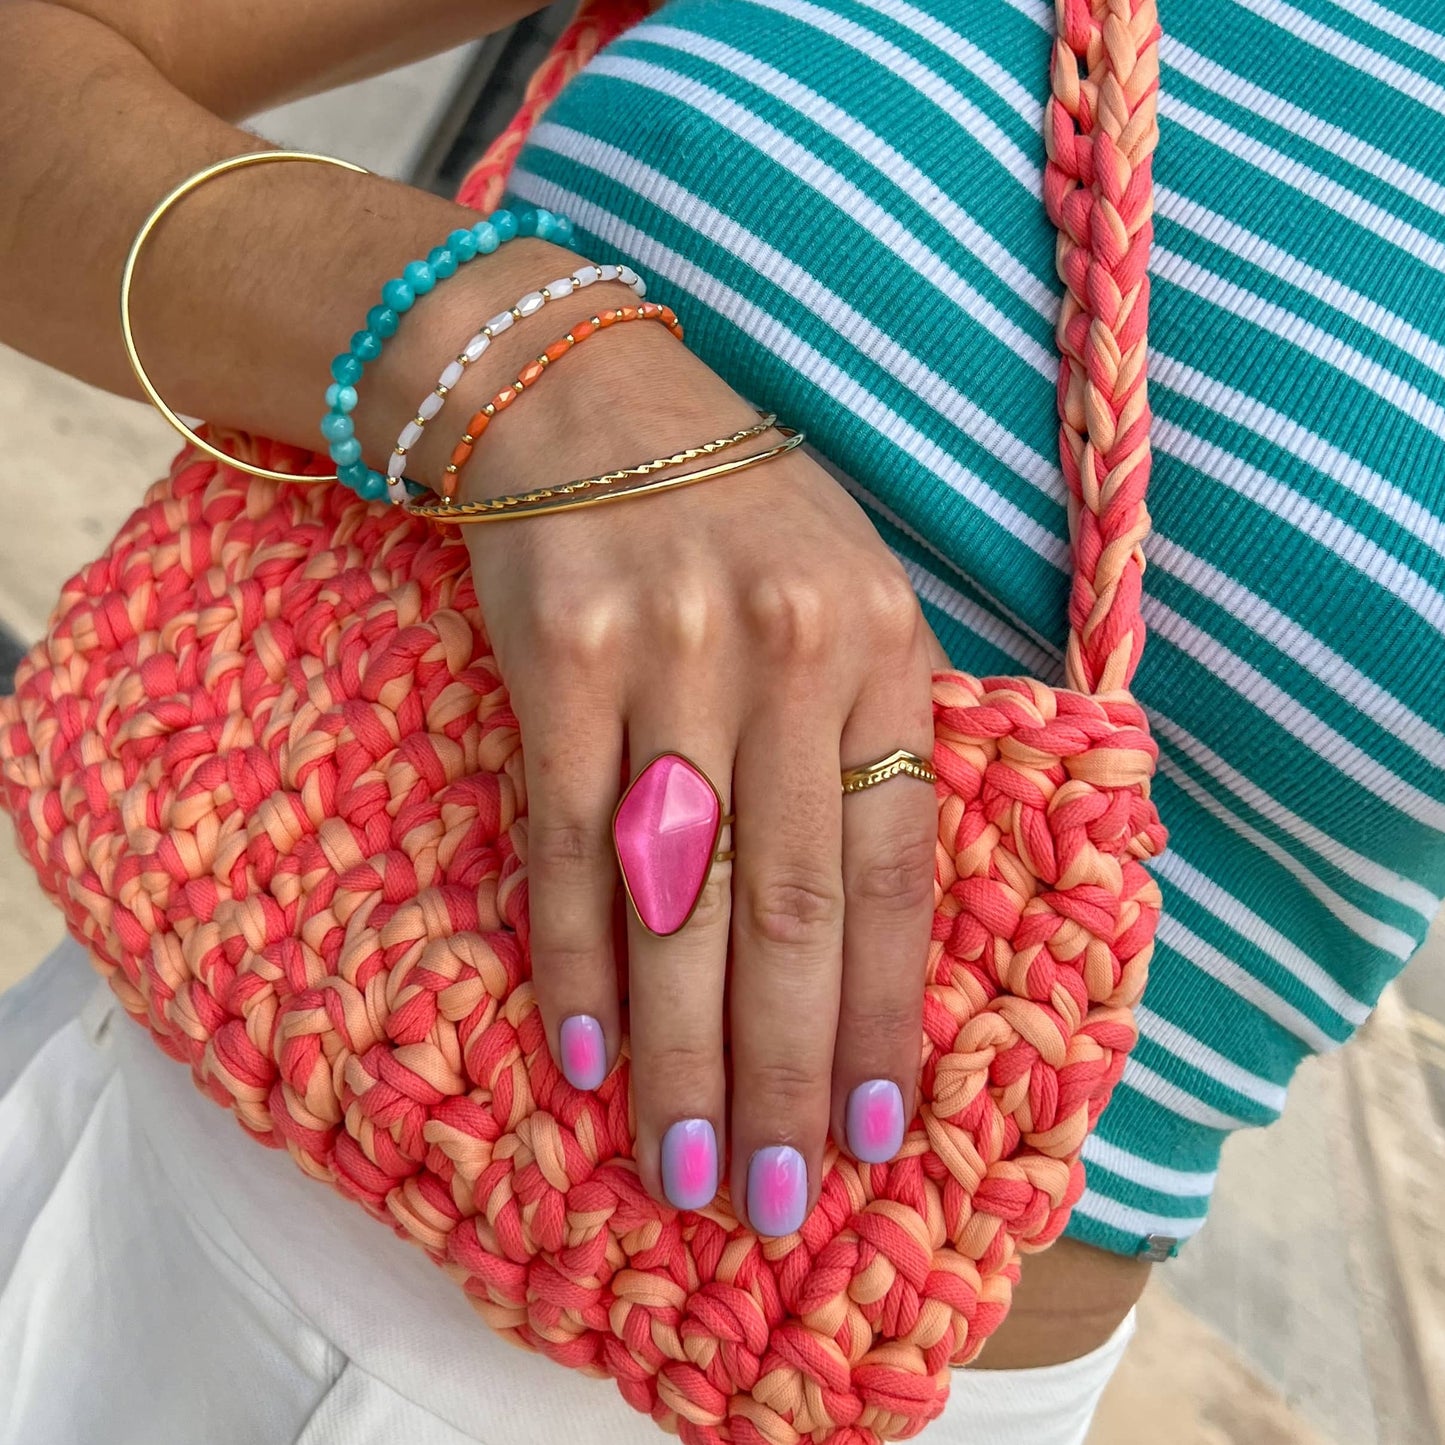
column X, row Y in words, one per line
column 127, row 332
column 901, row 763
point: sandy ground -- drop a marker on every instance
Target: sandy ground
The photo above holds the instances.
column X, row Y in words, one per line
column 1311, row 1310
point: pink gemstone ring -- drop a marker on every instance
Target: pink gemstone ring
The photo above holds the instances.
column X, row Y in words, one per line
column 666, row 830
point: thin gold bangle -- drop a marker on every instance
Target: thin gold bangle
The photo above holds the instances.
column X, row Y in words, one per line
column 234, row 163
column 766, row 421
column 533, row 504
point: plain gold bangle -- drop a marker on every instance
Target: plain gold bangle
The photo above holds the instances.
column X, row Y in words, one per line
column 234, row 163
column 546, row 500
column 766, row 421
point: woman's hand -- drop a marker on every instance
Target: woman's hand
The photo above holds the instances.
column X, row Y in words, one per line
column 757, row 625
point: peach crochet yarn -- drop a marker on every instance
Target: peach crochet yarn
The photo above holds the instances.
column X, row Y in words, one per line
column 266, row 764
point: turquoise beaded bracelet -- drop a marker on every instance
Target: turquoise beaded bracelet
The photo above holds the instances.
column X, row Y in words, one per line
column 398, row 296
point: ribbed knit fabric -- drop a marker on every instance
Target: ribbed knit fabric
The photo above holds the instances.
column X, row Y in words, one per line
column 842, row 200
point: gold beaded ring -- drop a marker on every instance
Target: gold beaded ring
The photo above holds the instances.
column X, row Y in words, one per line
column 896, row 764
column 191, row 183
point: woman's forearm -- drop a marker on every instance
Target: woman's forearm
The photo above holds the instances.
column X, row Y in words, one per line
column 236, row 59
column 252, row 284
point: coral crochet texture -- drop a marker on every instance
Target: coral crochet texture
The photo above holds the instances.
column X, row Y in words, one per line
column 266, row 764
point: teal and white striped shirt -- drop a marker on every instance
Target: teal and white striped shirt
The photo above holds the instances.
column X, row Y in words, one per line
column 842, row 199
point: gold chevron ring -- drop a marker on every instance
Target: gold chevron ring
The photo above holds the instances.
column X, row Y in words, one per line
column 897, row 764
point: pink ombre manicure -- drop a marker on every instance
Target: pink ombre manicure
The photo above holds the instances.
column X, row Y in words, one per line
column 689, row 1164
column 584, row 1051
column 875, row 1121
column 777, row 1190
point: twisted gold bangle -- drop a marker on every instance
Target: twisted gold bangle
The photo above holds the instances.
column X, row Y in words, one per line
column 191, row 183
column 561, row 499
column 565, row 489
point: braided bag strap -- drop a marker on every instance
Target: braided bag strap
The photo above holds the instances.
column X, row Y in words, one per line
column 1101, row 128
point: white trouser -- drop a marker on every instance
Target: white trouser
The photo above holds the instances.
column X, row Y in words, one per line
column 1049, row 1406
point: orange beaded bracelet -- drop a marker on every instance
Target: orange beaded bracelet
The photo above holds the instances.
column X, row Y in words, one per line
column 645, row 311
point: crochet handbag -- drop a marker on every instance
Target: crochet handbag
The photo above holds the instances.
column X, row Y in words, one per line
column 264, row 762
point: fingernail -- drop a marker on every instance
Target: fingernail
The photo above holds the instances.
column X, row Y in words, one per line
column 777, row 1190
column 689, row 1164
column 584, row 1051
column 875, row 1121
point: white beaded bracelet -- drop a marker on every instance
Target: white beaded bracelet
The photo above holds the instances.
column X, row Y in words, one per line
column 452, row 373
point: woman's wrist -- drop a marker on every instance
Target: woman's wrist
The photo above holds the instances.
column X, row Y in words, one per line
column 442, row 324
column 624, row 398
column 211, row 274
column 619, row 400
column 636, row 395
